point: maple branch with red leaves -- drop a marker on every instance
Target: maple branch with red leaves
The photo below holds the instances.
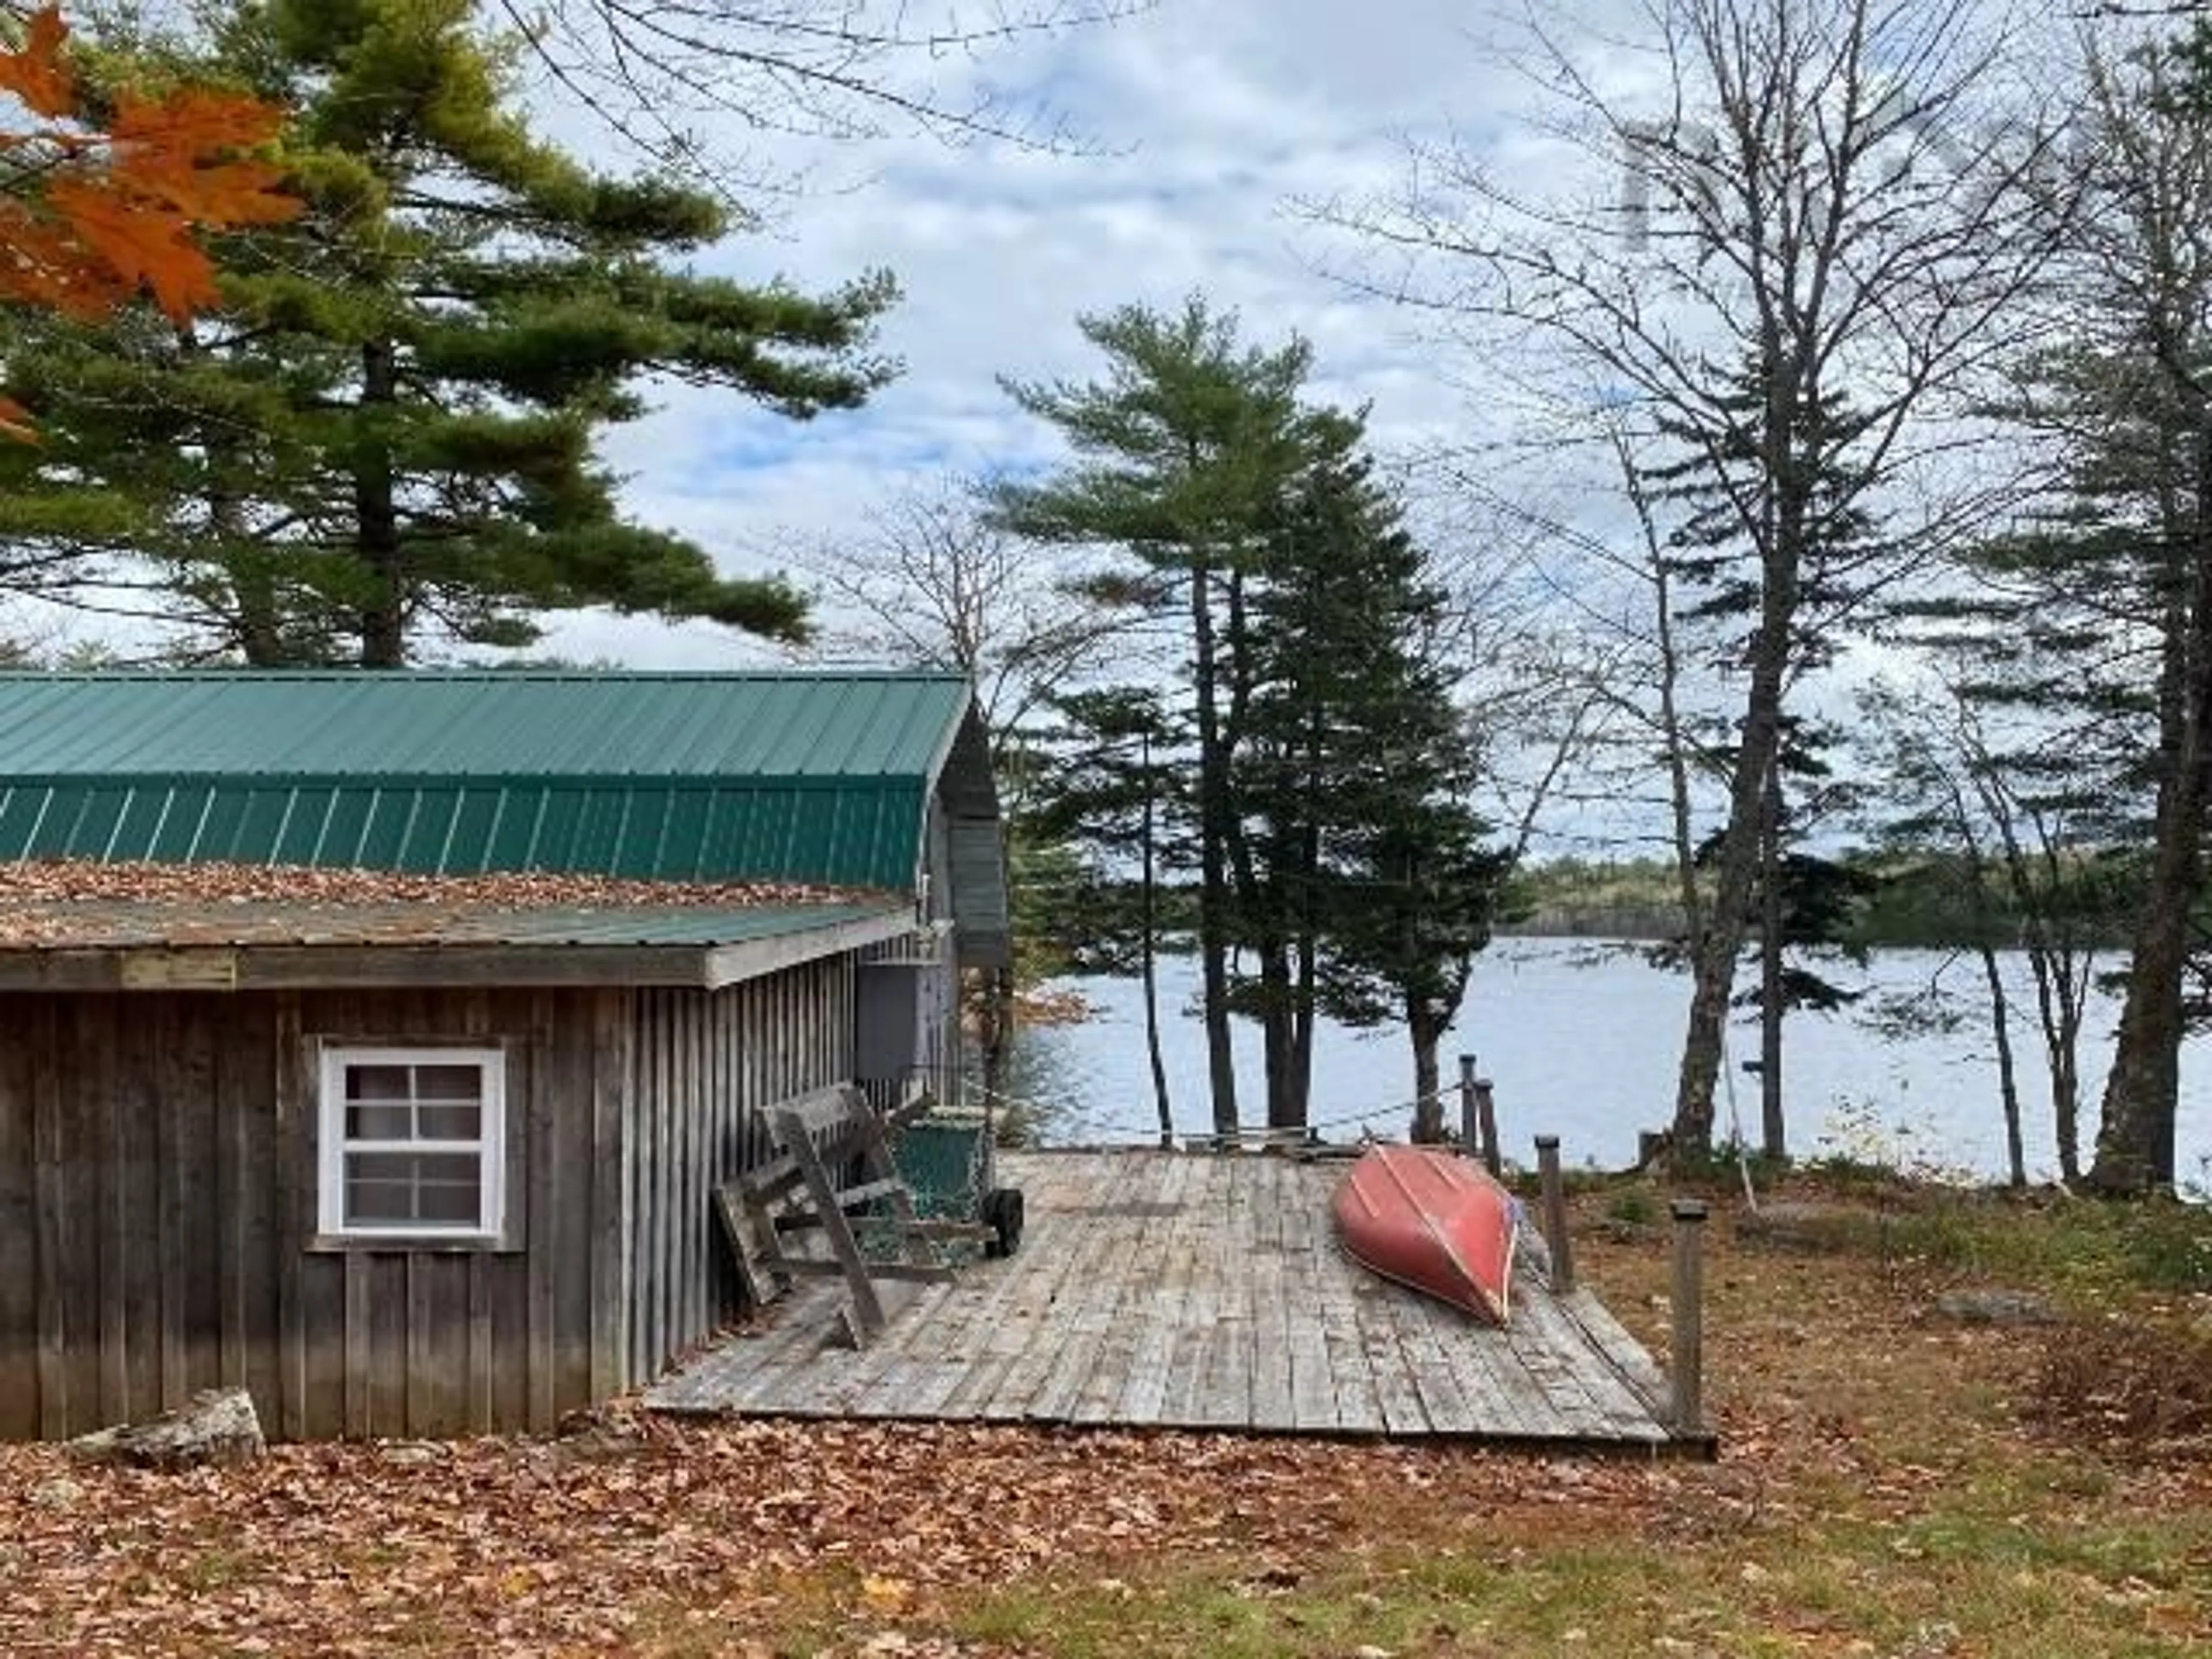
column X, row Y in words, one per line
column 104, row 211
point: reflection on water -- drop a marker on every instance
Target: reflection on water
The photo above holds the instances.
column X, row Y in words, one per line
column 1583, row 1042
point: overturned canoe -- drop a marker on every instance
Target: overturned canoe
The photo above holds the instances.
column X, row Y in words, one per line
column 1433, row 1220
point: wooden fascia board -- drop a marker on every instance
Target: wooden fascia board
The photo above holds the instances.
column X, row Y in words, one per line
column 729, row 965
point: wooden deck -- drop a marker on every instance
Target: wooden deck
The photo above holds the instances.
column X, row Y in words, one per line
column 1161, row 1290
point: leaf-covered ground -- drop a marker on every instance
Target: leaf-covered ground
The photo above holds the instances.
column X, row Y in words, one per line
column 1890, row 1483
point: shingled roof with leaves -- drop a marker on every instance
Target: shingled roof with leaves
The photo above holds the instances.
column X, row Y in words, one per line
column 802, row 777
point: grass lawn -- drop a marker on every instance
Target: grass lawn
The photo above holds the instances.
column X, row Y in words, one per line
column 1892, row 1482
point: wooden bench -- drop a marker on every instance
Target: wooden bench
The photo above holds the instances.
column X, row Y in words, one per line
column 771, row 1214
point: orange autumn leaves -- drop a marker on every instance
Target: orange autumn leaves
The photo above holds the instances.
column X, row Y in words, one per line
column 92, row 214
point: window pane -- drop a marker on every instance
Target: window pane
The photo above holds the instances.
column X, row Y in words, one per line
column 448, row 1122
column 378, row 1083
column 450, row 1206
column 391, row 1188
column 380, row 1123
column 448, row 1083
column 375, row 1203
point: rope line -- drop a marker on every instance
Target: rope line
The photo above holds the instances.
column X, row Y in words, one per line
column 1073, row 1110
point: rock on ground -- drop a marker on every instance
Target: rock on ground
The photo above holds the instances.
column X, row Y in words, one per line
column 217, row 1426
column 1996, row 1307
column 1793, row 1225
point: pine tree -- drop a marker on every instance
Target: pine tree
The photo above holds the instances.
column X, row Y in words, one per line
column 1371, row 887
column 1185, row 454
column 381, row 435
column 1107, row 777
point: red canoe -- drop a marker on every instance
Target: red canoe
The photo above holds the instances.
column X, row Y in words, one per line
column 1433, row 1220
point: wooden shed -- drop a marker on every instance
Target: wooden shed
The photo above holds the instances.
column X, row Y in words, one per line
column 376, row 1042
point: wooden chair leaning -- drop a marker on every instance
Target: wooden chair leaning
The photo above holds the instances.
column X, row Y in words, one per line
column 797, row 1195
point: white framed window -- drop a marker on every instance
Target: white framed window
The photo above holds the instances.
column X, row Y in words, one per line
column 413, row 1142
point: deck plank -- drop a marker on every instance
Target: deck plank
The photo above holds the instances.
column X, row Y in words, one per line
column 1017, row 1296
column 1019, row 1348
column 1273, row 1387
column 1305, row 1234
column 1532, row 1336
column 1181, row 1403
column 1429, row 1333
column 1618, row 1407
column 1629, row 1357
column 1041, row 1385
column 1200, row 1291
column 1173, row 1266
column 1513, row 1406
column 1142, row 1302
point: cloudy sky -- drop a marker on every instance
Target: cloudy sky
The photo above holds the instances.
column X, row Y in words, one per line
column 1209, row 119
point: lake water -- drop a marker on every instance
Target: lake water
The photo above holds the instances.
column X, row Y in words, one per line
column 1582, row 1041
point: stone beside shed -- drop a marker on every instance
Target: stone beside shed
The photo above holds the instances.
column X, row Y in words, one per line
column 375, row 1042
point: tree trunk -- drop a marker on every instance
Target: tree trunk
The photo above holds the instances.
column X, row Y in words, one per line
column 2061, row 978
column 2134, row 1141
column 1149, row 950
column 2058, row 1005
column 2060, row 971
column 1160, row 1097
column 1276, row 1024
column 1984, row 923
column 259, row 639
column 1713, row 952
column 1306, row 945
column 376, row 523
column 2008, row 1078
column 1302, row 1030
column 256, row 622
column 1773, row 1133
column 994, row 1042
column 1213, row 833
column 1426, row 1032
column 1679, row 794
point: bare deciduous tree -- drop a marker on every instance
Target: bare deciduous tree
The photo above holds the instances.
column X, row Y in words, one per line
column 657, row 73
column 1812, row 209
column 929, row 580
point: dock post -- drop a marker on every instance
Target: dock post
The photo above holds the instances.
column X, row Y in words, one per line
column 1688, row 1357
column 1478, row 1117
column 1555, row 1214
column 1485, row 1115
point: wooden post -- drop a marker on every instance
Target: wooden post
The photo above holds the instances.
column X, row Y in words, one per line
column 1470, row 1129
column 1485, row 1114
column 1688, row 1360
column 1555, row 1214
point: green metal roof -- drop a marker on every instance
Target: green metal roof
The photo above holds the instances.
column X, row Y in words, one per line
column 797, row 776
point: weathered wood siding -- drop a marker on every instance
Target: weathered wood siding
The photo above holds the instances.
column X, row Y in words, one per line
column 701, row 1067
column 157, row 1201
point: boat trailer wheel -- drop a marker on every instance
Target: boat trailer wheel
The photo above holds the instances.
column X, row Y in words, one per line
column 1002, row 1214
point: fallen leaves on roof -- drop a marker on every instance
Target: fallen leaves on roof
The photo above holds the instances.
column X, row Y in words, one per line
column 47, row 881
column 67, row 901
